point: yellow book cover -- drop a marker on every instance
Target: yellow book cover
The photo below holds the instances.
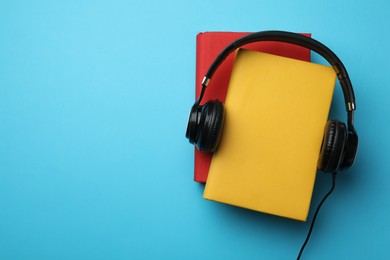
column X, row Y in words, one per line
column 276, row 110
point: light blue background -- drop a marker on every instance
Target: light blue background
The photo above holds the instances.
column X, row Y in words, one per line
column 94, row 100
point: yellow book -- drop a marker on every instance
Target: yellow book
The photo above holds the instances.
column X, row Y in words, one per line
column 276, row 110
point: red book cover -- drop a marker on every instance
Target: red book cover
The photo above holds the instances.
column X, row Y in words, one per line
column 208, row 46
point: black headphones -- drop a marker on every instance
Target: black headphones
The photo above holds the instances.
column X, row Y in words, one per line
column 340, row 143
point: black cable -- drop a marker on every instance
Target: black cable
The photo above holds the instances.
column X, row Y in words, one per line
column 316, row 213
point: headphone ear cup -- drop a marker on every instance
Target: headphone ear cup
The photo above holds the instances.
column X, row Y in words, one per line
column 332, row 149
column 210, row 126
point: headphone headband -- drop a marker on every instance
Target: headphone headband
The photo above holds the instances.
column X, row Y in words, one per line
column 296, row 39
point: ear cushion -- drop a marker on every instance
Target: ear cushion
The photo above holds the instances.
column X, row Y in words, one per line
column 193, row 123
column 332, row 149
column 351, row 148
column 210, row 126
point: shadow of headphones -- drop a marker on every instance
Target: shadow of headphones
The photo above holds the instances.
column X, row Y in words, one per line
column 340, row 141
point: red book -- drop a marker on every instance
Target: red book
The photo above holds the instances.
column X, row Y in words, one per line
column 208, row 46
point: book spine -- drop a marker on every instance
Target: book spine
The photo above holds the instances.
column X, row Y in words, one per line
column 199, row 49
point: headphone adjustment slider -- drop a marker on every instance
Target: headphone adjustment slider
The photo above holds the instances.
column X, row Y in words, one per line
column 205, row 81
column 351, row 106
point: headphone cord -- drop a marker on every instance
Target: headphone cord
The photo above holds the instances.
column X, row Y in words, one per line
column 316, row 213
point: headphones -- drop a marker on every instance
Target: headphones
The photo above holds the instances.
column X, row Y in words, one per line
column 340, row 142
